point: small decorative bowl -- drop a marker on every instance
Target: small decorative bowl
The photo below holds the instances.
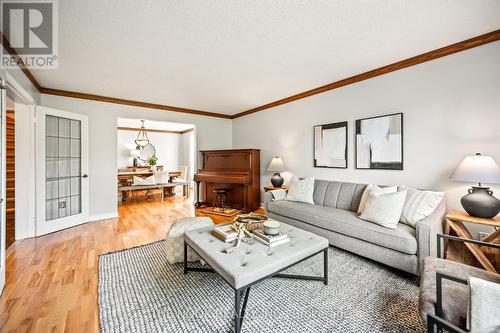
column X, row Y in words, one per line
column 271, row 228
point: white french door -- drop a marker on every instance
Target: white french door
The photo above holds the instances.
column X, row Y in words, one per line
column 61, row 170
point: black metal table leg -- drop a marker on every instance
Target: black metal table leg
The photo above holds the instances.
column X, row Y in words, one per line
column 237, row 322
column 239, row 315
column 193, row 269
column 325, row 266
column 185, row 258
column 243, row 308
column 240, row 309
column 323, row 278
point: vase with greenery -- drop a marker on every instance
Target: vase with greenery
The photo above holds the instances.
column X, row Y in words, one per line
column 152, row 162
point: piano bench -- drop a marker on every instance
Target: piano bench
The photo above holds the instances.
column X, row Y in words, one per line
column 220, row 196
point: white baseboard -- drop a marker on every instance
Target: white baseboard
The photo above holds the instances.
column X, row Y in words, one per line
column 105, row 216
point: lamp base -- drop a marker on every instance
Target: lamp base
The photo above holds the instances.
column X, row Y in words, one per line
column 277, row 180
column 480, row 202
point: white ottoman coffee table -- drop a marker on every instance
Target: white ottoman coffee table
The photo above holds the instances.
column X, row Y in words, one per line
column 250, row 264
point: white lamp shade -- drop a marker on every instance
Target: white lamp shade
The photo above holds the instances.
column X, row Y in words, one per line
column 478, row 169
column 135, row 153
column 276, row 165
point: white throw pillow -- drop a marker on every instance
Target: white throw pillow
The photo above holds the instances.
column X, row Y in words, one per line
column 484, row 306
column 301, row 190
column 162, row 177
column 384, row 209
column 419, row 204
column 174, row 242
column 372, row 188
column 138, row 181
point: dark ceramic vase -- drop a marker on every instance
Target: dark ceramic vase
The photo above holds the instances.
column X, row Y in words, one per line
column 277, row 180
column 480, row 202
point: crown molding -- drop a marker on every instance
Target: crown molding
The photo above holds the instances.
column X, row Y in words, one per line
column 129, row 102
column 419, row 59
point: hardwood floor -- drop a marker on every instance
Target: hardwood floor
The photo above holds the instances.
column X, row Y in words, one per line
column 51, row 282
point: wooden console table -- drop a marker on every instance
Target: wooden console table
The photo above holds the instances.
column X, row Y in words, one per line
column 454, row 221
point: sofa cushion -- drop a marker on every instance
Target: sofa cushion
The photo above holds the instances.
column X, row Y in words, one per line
column 338, row 194
column 345, row 222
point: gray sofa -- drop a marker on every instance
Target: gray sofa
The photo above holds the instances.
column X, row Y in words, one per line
column 334, row 217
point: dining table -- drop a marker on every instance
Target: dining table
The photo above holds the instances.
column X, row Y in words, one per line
column 126, row 179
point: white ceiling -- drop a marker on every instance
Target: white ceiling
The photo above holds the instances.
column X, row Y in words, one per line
column 228, row 56
column 152, row 124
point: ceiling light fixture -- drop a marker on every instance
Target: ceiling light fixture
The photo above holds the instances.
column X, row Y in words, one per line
column 142, row 138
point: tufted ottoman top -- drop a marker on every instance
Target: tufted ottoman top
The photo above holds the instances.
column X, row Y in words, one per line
column 250, row 263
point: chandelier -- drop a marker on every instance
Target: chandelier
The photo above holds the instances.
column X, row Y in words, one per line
column 142, row 138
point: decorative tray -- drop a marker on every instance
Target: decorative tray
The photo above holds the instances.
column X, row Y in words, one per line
column 252, row 221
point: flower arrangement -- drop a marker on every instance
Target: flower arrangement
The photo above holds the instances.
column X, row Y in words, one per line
column 152, row 160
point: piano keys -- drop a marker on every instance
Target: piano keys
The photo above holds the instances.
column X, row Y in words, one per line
column 237, row 170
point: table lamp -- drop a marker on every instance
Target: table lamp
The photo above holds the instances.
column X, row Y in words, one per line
column 276, row 166
column 480, row 201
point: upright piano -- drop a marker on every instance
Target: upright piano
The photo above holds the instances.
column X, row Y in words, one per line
column 237, row 170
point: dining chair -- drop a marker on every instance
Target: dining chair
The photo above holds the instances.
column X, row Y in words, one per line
column 183, row 177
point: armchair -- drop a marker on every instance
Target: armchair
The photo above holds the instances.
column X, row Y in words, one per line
column 448, row 288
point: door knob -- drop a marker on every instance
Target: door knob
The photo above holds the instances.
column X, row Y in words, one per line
column 85, row 175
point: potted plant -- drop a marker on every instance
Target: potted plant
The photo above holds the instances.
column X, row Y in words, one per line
column 152, row 162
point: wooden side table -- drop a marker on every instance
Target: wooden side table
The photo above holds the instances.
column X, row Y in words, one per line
column 454, row 221
column 272, row 188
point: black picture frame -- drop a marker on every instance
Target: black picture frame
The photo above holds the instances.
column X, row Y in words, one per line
column 379, row 166
column 341, row 124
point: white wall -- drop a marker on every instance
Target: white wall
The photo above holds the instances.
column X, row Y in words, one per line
column 211, row 133
column 187, row 152
column 451, row 108
column 166, row 146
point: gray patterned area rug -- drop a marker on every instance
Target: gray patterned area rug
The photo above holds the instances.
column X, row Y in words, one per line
column 140, row 292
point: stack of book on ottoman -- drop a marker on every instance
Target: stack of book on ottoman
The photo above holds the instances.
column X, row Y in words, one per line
column 225, row 233
column 251, row 226
column 269, row 240
column 228, row 233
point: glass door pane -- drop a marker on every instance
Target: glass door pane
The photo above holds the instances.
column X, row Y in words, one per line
column 62, row 167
